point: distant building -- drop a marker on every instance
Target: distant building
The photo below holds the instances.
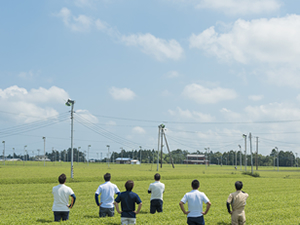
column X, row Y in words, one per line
column 195, row 159
column 135, row 161
column 123, row 160
column 41, row 158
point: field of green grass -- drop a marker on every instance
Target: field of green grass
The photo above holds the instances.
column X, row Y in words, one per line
column 26, row 196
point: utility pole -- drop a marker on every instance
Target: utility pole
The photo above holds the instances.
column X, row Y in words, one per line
column 240, row 157
column 206, row 158
column 44, row 149
column 277, row 159
column 245, row 137
column 296, row 161
column 162, row 135
column 256, row 155
column 78, row 154
column 14, row 155
column 250, row 140
column 88, row 154
column 24, row 155
column 3, row 152
column 140, row 155
column 107, row 154
column 38, row 156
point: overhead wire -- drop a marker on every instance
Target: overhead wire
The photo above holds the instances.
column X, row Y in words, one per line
column 104, row 133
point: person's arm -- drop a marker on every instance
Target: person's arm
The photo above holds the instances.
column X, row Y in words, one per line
column 181, row 204
column 139, row 208
column 208, row 204
column 228, row 207
column 97, row 199
column 117, row 207
column 73, row 201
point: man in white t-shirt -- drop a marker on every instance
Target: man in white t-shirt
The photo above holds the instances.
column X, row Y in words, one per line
column 61, row 193
column 107, row 191
column 195, row 199
column 156, row 189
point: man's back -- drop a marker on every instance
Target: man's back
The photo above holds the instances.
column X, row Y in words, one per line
column 61, row 195
column 157, row 189
column 107, row 191
column 238, row 200
column 195, row 201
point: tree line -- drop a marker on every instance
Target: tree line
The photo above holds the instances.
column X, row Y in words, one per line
column 234, row 158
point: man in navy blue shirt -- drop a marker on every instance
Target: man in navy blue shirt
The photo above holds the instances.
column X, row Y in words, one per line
column 128, row 200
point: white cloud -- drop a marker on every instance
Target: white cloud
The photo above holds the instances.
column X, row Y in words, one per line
column 273, row 111
column 191, row 115
column 204, row 95
column 81, row 23
column 86, row 115
column 28, row 105
column 28, row 75
column 172, row 74
column 256, row 97
column 156, row 47
column 240, row 7
column 138, row 130
column 230, row 115
column 122, row 93
column 272, row 40
column 149, row 44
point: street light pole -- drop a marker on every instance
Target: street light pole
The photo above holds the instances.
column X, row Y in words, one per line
column 71, row 103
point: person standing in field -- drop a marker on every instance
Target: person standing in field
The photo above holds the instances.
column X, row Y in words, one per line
column 107, row 191
column 128, row 200
column 238, row 202
column 156, row 189
column 195, row 201
column 61, row 193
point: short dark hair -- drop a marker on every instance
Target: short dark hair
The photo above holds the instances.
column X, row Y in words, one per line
column 129, row 185
column 195, row 184
column 62, row 178
column 107, row 177
column 238, row 185
column 157, row 176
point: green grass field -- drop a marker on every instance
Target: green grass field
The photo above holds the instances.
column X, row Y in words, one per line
column 26, row 196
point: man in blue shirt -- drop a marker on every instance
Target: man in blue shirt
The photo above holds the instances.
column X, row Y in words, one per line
column 107, row 191
column 128, row 200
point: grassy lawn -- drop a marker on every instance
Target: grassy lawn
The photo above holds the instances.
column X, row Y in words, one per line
column 26, row 196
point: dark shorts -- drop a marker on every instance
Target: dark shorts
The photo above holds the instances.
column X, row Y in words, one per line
column 196, row 220
column 103, row 212
column 61, row 215
column 156, row 205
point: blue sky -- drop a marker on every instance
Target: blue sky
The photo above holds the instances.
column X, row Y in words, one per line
column 210, row 70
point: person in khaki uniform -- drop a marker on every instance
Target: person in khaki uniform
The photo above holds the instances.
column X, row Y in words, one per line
column 238, row 202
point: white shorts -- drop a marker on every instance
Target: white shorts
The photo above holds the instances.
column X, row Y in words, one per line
column 126, row 220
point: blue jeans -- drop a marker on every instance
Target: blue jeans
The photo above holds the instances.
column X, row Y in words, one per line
column 195, row 220
column 58, row 215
